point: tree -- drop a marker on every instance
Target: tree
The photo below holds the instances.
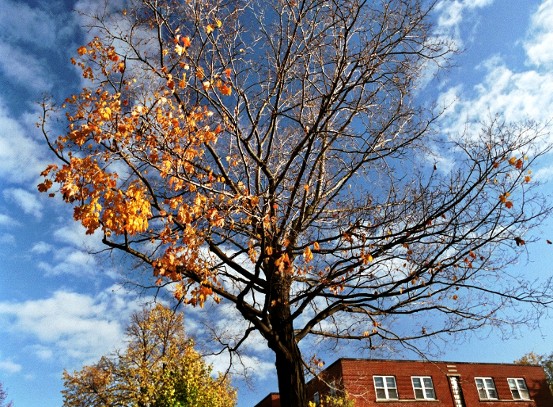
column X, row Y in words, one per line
column 545, row 361
column 3, row 397
column 159, row 368
column 272, row 154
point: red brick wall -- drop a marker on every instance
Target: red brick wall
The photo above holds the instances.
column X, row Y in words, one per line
column 356, row 376
column 272, row 400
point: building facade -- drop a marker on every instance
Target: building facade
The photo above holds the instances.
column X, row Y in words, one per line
column 392, row 383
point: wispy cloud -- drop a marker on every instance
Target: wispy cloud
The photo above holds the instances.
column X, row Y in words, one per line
column 71, row 326
column 6, row 220
column 20, row 158
column 27, row 201
column 450, row 15
column 42, row 248
column 10, row 367
column 70, row 261
column 539, row 45
column 514, row 95
column 28, row 25
column 23, row 68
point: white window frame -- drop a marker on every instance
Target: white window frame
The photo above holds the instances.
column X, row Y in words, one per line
column 486, row 388
column 333, row 388
column 519, row 389
column 388, row 390
column 317, row 398
column 427, row 390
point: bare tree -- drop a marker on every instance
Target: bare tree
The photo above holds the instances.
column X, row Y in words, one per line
column 3, row 397
column 272, row 155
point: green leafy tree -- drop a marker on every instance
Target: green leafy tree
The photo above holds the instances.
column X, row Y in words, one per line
column 272, row 154
column 159, row 368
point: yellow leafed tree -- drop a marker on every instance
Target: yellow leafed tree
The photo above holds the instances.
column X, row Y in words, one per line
column 158, row 368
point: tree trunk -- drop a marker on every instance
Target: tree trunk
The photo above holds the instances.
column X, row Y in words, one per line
column 291, row 380
column 288, row 358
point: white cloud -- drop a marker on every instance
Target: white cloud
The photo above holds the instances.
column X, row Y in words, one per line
column 514, row 95
column 74, row 234
column 27, row 201
column 43, row 352
column 7, row 238
column 19, row 154
column 7, row 366
column 539, row 47
column 42, row 248
column 23, row 68
column 20, row 22
column 450, row 14
column 7, row 221
column 70, row 261
column 71, row 325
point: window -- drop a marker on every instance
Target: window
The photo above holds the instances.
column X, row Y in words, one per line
column 518, row 389
column 385, row 387
column 486, row 388
column 317, row 398
column 423, row 387
column 333, row 388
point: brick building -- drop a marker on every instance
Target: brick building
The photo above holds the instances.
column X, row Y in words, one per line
column 392, row 383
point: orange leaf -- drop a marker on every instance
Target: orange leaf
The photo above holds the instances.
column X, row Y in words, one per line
column 307, row 255
column 225, row 89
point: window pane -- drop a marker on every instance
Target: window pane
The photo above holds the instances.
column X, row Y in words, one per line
column 482, row 394
column 417, row 382
column 427, row 382
column 379, row 381
column 419, row 394
column 380, row 393
column 392, row 393
column 430, row 393
column 390, row 381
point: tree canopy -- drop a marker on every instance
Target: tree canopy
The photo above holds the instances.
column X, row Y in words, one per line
column 158, row 368
column 272, row 154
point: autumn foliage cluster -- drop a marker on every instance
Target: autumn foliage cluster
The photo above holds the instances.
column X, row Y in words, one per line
column 111, row 125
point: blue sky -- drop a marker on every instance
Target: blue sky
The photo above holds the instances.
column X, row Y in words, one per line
column 61, row 307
